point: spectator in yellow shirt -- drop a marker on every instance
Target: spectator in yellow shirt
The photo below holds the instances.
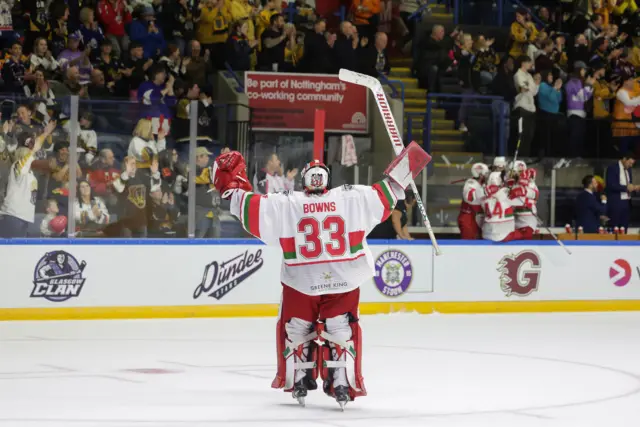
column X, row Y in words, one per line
column 263, row 20
column 242, row 10
column 522, row 34
column 213, row 29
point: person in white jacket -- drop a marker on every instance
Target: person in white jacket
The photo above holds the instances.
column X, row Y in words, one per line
column 525, row 104
column 143, row 146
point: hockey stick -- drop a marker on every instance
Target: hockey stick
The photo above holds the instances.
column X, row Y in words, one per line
column 394, row 135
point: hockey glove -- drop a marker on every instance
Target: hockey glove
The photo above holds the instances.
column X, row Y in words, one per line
column 228, row 173
column 517, row 192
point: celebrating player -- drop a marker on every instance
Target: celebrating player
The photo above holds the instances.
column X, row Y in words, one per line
column 524, row 195
column 471, row 214
column 322, row 236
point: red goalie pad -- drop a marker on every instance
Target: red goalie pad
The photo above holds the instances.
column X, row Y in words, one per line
column 408, row 164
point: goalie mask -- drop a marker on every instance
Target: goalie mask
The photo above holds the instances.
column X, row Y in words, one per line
column 315, row 177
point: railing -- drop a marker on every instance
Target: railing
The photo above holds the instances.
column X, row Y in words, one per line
column 232, row 74
column 392, row 84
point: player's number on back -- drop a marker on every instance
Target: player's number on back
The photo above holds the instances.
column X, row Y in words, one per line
column 316, row 242
column 497, row 210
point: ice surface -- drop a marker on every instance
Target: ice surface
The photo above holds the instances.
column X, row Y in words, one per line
column 438, row 370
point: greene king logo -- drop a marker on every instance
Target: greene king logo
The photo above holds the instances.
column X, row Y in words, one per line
column 221, row 278
column 520, row 274
column 58, row 277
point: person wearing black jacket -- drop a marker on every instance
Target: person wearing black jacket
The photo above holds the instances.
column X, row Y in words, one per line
column 373, row 57
column 503, row 85
column 346, row 46
column 274, row 39
column 434, row 57
column 317, row 52
column 177, row 21
column 239, row 47
column 579, row 52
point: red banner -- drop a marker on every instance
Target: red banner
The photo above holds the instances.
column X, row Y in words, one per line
column 287, row 101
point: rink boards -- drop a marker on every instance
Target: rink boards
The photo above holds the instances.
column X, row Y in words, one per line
column 89, row 279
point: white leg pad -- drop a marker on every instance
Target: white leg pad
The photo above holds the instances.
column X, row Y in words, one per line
column 338, row 332
column 299, row 334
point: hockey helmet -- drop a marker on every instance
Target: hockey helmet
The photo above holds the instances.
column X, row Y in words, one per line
column 494, row 183
column 499, row 162
column 479, row 171
column 315, row 177
column 518, row 166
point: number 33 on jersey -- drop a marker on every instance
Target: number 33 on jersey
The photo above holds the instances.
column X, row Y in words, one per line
column 322, row 236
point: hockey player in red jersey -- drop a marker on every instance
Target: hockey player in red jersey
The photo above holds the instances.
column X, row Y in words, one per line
column 525, row 195
column 321, row 233
column 499, row 221
column 471, row 214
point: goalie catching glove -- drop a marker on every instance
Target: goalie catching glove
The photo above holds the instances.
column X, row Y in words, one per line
column 229, row 173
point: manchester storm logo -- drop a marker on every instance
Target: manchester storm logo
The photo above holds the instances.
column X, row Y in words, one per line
column 393, row 273
column 520, row 274
column 58, row 277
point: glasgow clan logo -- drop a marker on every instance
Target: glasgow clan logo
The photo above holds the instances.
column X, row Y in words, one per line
column 520, row 274
column 58, row 277
column 393, row 273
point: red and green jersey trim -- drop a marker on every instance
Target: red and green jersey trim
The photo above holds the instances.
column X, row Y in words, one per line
column 356, row 240
column 387, row 197
column 251, row 213
column 288, row 245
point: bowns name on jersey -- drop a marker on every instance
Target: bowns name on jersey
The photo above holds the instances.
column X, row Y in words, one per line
column 319, row 207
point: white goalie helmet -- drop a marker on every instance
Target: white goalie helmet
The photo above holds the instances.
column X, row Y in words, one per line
column 519, row 166
column 479, row 171
column 500, row 162
column 315, row 177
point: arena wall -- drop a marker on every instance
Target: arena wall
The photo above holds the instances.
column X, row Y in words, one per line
column 182, row 278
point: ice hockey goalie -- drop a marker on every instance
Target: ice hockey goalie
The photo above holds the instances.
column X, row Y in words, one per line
column 321, row 233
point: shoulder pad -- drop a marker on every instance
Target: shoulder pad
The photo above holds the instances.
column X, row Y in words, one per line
column 347, row 187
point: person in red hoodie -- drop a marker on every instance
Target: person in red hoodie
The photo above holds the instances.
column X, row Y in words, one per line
column 101, row 176
column 114, row 15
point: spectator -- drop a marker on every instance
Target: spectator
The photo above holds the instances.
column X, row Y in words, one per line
column 604, row 8
column 109, row 63
column 271, row 179
column 58, row 166
column 578, row 90
column 213, row 29
column 143, row 30
column 547, row 21
column 196, row 69
column 533, row 49
column 548, row 117
column 172, row 62
column 345, row 47
column 396, row 226
column 39, row 22
column 40, row 92
column 544, row 60
column 42, row 57
column 293, row 50
column 580, row 51
column 158, row 99
column 522, row 34
column 168, row 167
column 590, row 212
column 181, row 126
column 464, row 56
column 114, row 16
column 15, row 70
column 102, row 174
column 317, row 51
column 179, row 23
column 134, row 69
column 51, row 211
column 163, row 213
column 207, row 202
column 73, row 56
column 18, row 208
column 274, row 40
column 559, row 56
column 434, row 57
column 485, row 68
column 87, row 139
column 595, row 29
column 525, row 106
column 366, row 14
column 625, row 133
column 618, row 191
column 143, row 146
column 603, row 92
column 408, row 8
column 503, row 84
column 243, row 10
column 91, row 32
column 240, row 47
column 59, row 31
column 99, row 88
column 263, row 20
column 26, row 129
column 374, row 57
column 91, row 212
column 134, row 185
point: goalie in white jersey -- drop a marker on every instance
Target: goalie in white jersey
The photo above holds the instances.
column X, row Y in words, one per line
column 325, row 259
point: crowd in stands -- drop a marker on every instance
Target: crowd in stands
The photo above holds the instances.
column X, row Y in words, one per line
column 568, row 75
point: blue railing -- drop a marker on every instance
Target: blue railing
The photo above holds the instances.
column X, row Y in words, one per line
column 500, row 116
column 232, row 74
column 392, row 84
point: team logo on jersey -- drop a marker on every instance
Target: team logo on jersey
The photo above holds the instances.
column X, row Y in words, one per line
column 393, row 273
column 220, row 278
column 58, row 277
column 520, row 274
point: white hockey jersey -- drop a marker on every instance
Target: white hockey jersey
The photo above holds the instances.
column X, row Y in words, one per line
column 322, row 237
column 473, row 196
column 524, row 208
column 498, row 216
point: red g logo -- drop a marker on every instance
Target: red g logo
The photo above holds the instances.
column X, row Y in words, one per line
column 520, row 274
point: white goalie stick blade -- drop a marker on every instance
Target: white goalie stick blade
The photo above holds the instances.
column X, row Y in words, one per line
column 394, row 134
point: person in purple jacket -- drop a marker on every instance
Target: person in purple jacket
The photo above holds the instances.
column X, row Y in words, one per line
column 158, row 99
column 578, row 91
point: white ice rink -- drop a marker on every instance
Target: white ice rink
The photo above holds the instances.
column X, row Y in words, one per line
column 437, row 370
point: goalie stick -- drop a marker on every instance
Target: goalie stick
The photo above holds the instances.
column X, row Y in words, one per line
column 394, row 135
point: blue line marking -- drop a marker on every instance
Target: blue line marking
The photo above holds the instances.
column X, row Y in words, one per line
column 247, row 242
